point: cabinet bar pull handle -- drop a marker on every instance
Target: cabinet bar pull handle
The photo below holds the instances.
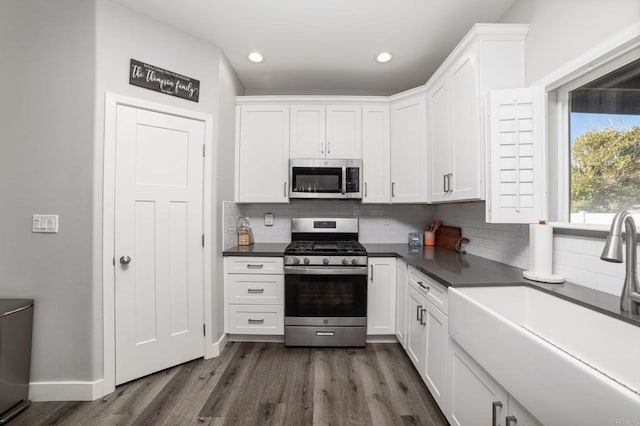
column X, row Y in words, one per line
column 285, row 189
column 321, row 148
column 250, row 266
column 328, row 147
column 365, row 189
column 255, row 290
column 496, row 404
column 444, row 183
column 393, row 189
column 449, row 176
column 422, row 311
column 418, row 308
column 509, row 419
column 256, row 321
column 371, row 275
column 325, row 333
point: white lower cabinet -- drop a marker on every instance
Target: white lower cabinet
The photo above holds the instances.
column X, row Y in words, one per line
column 254, row 295
column 427, row 334
column 381, row 296
column 475, row 398
column 401, row 302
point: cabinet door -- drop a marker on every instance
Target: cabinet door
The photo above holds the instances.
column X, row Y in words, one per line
column 466, row 140
column 376, row 150
column 408, row 150
column 381, row 296
column 440, row 152
column 401, row 302
column 262, row 154
column 519, row 416
column 415, row 329
column 474, row 398
column 344, row 131
column 308, row 131
column 437, row 341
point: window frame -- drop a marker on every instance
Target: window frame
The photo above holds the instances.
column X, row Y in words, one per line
column 594, row 64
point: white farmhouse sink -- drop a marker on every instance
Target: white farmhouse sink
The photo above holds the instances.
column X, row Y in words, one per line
column 567, row 364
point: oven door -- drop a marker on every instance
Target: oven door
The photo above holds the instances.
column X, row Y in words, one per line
column 325, row 295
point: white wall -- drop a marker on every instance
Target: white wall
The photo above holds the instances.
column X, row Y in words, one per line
column 560, row 30
column 230, row 87
column 47, row 54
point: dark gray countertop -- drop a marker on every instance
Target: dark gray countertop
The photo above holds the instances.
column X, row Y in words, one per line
column 257, row 249
column 457, row 270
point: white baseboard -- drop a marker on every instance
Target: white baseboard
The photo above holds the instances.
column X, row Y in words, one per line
column 214, row 350
column 66, row 391
column 382, row 338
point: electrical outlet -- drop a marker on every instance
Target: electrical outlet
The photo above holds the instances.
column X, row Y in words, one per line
column 268, row 219
column 386, row 221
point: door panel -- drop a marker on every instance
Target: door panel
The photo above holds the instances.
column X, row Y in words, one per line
column 344, row 131
column 308, row 131
column 158, row 224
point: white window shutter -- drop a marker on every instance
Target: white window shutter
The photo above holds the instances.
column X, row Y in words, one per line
column 517, row 157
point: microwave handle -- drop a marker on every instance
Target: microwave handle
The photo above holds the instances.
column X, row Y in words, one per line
column 344, row 180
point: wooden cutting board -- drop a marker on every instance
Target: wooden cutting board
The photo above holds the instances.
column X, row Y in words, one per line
column 448, row 236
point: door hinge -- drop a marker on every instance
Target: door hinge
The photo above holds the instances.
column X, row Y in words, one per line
column 204, row 329
column 204, row 147
column 202, row 240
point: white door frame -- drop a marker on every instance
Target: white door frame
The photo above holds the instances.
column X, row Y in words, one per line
column 108, row 225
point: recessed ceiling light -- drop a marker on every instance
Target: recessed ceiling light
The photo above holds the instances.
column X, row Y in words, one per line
column 383, row 57
column 255, row 57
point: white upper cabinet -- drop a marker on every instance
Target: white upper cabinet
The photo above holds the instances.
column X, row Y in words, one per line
column 491, row 56
column 376, row 151
column 344, row 131
column 308, row 132
column 326, row 131
column 262, row 153
column 409, row 149
column 517, row 184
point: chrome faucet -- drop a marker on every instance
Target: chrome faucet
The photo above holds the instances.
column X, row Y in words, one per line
column 630, row 298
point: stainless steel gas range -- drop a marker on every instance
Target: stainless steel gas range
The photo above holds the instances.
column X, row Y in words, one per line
column 325, row 284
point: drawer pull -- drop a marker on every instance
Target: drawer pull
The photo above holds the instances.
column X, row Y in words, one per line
column 257, row 266
column 255, row 290
column 509, row 420
column 418, row 309
column 325, row 333
column 256, row 321
column 422, row 312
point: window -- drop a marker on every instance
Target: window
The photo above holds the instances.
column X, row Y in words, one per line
column 604, row 151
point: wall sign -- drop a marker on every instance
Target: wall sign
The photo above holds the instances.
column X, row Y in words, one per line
column 161, row 80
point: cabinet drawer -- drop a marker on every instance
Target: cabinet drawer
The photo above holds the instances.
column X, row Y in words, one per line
column 255, row 265
column 435, row 292
column 256, row 319
column 256, row 289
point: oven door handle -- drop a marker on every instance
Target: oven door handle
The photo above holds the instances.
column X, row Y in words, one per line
column 325, row 270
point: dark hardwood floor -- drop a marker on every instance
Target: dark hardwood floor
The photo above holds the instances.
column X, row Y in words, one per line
column 263, row 384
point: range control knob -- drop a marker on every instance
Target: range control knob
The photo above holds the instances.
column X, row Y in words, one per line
column 296, row 260
column 306, row 261
column 345, row 261
column 354, row 261
column 325, row 261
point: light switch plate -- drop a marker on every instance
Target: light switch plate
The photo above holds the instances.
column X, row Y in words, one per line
column 268, row 219
column 45, row 223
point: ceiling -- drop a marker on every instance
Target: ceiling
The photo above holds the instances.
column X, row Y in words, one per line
column 328, row 46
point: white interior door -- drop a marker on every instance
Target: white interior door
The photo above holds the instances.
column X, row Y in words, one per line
column 158, row 248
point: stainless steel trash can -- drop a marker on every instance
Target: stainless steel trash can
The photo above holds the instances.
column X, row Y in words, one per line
column 16, row 323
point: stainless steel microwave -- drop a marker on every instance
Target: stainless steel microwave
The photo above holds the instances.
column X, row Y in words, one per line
column 328, row 179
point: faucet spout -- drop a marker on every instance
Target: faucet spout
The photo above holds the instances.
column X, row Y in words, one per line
column 612, row 252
